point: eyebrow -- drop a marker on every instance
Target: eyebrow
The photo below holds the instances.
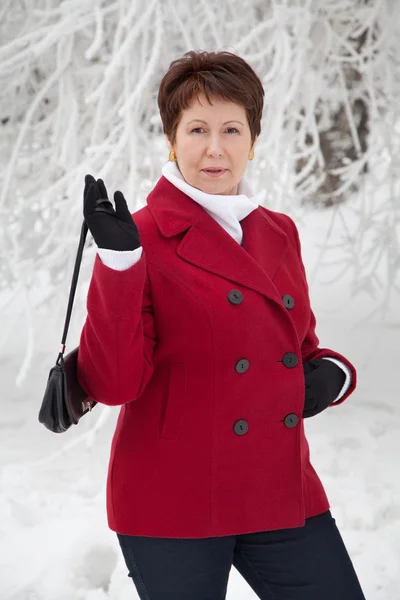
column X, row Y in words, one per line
column 201, row 121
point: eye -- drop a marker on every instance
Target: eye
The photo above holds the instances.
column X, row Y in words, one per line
column 229, row 129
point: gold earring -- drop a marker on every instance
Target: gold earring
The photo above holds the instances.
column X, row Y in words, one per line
column 172, row 156
column 251, row 155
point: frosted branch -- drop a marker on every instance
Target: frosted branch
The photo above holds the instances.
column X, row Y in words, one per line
column 80, row 79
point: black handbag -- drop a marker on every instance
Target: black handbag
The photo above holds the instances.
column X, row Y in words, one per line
column 64, row 401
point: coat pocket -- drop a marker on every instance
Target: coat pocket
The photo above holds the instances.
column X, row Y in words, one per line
column 174, row 404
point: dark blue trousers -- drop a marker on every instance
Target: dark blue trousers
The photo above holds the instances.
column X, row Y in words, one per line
column 304, row 563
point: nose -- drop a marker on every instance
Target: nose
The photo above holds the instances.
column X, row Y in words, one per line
column 215, row 147
column 214, row 152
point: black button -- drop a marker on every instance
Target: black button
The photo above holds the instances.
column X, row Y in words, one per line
column 241, row 427
column 288, row 301
column 235, row 297
column 242, row 365
column 291, row 420
column 290, row 360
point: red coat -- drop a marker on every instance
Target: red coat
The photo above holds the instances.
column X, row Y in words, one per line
column 197, row 344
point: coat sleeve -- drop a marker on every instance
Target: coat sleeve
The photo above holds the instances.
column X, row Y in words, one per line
column 310, row 345
column 115, row 358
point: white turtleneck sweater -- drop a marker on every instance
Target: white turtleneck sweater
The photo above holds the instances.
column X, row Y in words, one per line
column 228, row 211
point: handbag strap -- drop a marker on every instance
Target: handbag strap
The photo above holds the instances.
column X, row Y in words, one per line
column 72, row 290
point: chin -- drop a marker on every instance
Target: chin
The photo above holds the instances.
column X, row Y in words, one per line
column 213, row 189
column 212, row 185
column 221, row 190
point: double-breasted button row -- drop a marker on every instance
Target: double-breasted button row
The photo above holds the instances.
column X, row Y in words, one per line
column 290, row 360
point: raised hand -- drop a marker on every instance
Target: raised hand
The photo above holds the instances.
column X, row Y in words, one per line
column 111, row 229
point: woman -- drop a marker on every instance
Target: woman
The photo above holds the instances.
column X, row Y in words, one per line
column 199, row 324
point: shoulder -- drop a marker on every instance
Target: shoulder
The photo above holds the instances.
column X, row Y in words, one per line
column 286, row 224
column 281, row 220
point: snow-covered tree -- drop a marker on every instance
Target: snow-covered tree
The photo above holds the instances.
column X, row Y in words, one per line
column 79, row 82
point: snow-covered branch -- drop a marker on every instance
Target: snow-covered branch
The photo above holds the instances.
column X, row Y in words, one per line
column 79, row 81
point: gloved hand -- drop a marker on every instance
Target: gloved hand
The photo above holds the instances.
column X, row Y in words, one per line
column 323, row 382
column 112, row 229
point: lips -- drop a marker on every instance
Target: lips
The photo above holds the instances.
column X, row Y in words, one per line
column 214, row 174
column 214, row 169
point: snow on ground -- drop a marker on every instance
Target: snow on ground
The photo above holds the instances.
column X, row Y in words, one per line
column 54, row 539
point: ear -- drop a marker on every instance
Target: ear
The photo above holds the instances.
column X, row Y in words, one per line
column 254, row 144
column 170, row 147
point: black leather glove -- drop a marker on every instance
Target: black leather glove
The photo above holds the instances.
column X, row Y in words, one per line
column 111, row 229
column 323, row 382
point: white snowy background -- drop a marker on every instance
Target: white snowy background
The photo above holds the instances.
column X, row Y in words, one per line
column 78, row 94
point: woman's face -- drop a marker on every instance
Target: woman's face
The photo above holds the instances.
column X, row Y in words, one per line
column 213, row 136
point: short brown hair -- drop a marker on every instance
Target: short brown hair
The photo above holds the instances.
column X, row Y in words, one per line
column 222, row 74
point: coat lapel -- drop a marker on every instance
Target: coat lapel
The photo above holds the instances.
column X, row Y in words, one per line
column 208, row 246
